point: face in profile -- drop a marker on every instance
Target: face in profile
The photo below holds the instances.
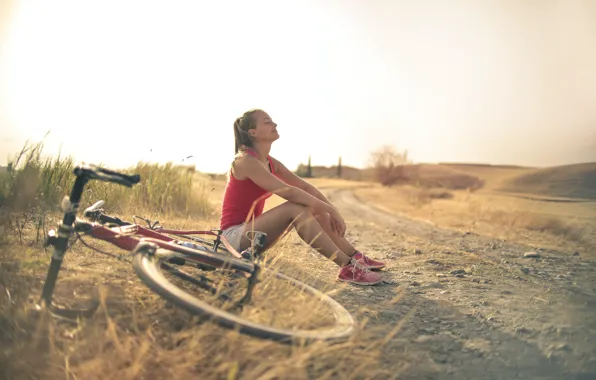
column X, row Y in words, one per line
column 265, row 129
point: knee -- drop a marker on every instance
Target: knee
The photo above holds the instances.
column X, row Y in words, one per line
column 301, row 216
column 296, row 211
column 323, row 219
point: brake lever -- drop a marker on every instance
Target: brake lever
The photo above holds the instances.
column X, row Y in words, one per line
column 135, row 217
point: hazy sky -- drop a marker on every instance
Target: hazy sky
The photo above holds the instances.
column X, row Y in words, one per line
column 502, row 82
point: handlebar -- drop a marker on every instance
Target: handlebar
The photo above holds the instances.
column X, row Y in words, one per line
column 91, row 171
column 84, row 173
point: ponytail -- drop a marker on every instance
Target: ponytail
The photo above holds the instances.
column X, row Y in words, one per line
column 237, row 136
column 241, row 126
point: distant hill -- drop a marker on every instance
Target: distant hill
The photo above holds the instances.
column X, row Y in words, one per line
column 347, row 172
column 424, row 175
column 493, row 176
column 569, row 181
column 440, row 176
column 479, row 165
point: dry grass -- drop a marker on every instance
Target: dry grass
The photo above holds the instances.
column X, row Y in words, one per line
column 436, row 176
column 493, row 176
column 570, row 181
column 420, row 197
column 36, row 183
column 137, row 335
column 32, row 188
column 569, row 226
column 512, row 222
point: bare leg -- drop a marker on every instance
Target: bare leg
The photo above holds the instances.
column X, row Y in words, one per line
column 325, row 222
column 277, row 220
column 343, row 244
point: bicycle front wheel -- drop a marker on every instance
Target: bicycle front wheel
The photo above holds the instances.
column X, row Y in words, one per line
column 280, row 308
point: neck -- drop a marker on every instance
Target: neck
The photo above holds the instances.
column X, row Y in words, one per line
column 262, row 150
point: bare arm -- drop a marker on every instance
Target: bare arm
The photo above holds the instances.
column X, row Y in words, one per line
column 292, row 179
column 250, row 167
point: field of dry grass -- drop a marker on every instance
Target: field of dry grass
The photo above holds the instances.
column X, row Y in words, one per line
column 405, row 328
column 493, row 176
column 522, row 217
column 135, row 334
column 570, row 181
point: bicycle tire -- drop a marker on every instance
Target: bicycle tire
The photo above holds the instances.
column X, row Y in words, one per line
column 148, row 269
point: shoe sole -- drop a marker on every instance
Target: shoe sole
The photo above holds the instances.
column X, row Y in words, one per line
column 372, row 268
column 360, row 283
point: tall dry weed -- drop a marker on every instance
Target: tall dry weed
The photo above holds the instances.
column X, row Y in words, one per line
column 137, row 335
column 33, row 186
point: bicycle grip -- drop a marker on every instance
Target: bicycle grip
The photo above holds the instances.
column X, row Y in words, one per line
column 123, row 179
column 91, row 171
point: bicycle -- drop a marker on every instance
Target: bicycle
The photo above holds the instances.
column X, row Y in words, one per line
column 156, row 252
column 95, row 213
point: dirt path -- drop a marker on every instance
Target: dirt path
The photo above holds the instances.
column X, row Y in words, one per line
column 479, row 308
column 463, row 306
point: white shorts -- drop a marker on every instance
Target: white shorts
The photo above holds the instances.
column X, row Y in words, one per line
column 234, row 235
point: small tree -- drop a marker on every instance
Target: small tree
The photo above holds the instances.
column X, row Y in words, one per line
column 389, row 165
column 308, row 168
column 339, row 168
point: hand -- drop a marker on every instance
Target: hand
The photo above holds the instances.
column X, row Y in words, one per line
column 337, row 223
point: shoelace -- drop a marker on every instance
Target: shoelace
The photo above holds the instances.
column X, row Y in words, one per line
column 357, row 265
column 365, row 258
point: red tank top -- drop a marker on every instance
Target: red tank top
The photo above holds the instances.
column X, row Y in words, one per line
column 239, row 197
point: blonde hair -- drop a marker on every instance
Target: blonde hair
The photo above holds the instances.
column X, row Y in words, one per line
column 241, row 127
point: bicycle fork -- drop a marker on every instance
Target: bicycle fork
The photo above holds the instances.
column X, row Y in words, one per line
column 253, row 253
column 59, row 240
column 59, row 243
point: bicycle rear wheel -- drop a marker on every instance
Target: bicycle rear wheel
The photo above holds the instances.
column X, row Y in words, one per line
column 281, row 308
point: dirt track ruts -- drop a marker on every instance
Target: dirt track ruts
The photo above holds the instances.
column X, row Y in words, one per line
column 503, row 317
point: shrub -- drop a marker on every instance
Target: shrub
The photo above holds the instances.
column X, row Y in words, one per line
column 389, row 165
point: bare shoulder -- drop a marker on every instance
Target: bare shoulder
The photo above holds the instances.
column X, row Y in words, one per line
column 249, row 167
column 244, row 165
column 239, row 165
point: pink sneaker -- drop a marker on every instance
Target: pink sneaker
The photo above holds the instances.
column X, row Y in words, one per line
column 367, row 262
column 356, row 274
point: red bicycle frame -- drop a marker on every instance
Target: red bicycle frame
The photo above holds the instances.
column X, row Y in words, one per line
column 127, row 237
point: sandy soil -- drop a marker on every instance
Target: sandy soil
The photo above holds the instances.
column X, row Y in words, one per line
column 480, row 309
column 465, row 306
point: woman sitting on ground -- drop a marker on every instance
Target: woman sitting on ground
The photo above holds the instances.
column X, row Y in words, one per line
column 255, row 175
